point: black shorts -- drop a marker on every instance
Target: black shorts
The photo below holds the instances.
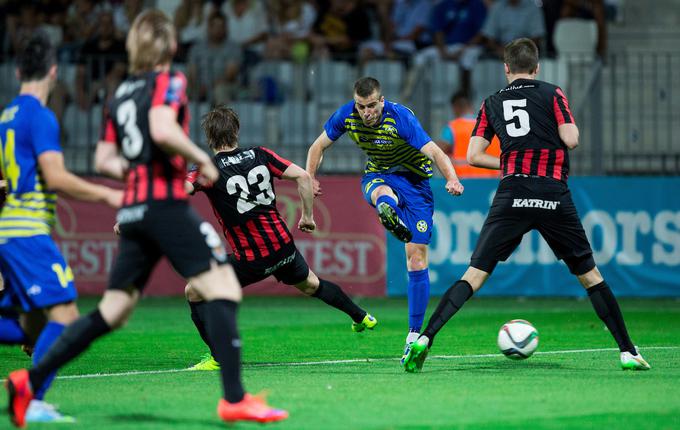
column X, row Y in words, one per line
column 291, row 269
column 522, row 204
column 171, row 229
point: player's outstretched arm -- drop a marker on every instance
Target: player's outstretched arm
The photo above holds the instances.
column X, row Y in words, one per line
column 314, row 157
column 569, row 134
column 443, row 163
column 108, row 162
column 170, row 137
column 305, row 189
column 61, row 180
column 477, row 156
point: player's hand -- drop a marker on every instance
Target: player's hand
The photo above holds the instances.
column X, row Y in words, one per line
column 454, row 187
column 307, row 224
column 209, row 173
column 114, row 198
column 116, row 228
column 316, row 188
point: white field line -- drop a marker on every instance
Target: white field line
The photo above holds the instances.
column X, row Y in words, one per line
column 349, row 361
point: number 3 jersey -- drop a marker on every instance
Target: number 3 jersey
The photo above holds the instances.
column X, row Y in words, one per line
column 525, row 116
column 244, row 201
column 153, row 174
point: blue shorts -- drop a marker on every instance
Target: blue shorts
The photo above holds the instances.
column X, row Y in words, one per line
column 415, row 200
column 36, row 275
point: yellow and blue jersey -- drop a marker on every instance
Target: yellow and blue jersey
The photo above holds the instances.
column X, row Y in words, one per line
column 392, row 146
column 27, row 129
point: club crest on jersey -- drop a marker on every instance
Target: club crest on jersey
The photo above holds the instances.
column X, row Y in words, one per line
column 391, row 130
column 421, row 226
column 535, row 203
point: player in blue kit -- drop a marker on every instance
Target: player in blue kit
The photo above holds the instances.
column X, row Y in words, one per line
column 396, row 178
column 38, row 282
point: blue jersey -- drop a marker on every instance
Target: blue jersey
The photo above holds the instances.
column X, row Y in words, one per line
column 27, row 129
column 392, row 146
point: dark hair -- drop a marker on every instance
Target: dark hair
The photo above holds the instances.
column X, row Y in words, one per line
column 221, row 126
column 521, row 56
column 460, row 97
column 217, row 14
column 365, row 86
column 36, row 57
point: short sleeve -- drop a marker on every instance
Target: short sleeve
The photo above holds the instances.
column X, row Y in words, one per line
column 483, row 127
column 335, row 126
column 170, row 89
column 275, row 163
column 45, row 132
column 409, row 128
column 561, row 108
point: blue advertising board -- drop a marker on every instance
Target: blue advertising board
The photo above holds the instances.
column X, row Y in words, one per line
column 633, row 224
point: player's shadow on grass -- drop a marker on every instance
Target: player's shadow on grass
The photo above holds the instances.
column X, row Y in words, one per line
column 166, row 420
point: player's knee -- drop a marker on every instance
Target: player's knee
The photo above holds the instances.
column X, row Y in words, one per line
column 310, row 285
column 580, row 265
column 64, row 313
column 382, row 190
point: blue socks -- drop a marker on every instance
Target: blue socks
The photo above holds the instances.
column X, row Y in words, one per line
column 418, row 295
column 11, row 332
column 389, row 200
column 47, row 337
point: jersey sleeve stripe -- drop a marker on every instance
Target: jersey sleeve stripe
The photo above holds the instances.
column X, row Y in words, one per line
column 559, row 115
column 482, row 123
column 161, row 89
column 272, row 168
column 109, row 131
column 564, row 104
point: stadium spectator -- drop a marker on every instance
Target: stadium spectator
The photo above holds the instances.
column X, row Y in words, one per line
column 406, row 30
column 101, row 63
column 125, row 13
column 22, row 25
column 509, row 20
column 396, row 179
column 190, row 22
column 145, row 141
column 80, row 26
column 247, row 22
column 339, row 29
column 455, row 135
column 292, row 22
column 533, row 195
column 214, row 63
column 590, row 10
column 455, row 24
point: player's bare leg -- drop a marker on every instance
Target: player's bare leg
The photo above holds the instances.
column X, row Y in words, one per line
column 607, row 309
column 220, row 290
column 451, row 302
column 386, row 203
column 334, row 296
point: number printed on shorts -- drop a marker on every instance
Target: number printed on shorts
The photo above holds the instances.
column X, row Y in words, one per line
column 511, row 112
column 132, row 141
column 247, row 200
column 64, row 275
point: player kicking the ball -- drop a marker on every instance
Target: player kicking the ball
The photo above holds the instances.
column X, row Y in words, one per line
column 396, row 178
column 536, row 128
column 244, row 202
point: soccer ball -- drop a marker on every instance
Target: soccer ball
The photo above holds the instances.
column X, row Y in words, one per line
column 518, row 339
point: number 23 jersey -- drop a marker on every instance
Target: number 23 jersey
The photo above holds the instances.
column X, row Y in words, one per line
column 244, row 201
column 153, row 175
column 525, row 116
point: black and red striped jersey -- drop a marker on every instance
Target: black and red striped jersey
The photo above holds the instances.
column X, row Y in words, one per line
column 153, row 175
column 244, row 201
column 525, row 116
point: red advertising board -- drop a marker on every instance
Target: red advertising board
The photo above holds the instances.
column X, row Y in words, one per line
column 348, row 247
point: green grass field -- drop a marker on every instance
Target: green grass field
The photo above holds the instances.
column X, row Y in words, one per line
column 328, row 377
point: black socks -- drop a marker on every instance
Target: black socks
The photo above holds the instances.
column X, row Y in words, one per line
column 219, row 317
column 73, row 341
column 197, row 316
column 333, row 295
column 450, row 303
column 607, row 308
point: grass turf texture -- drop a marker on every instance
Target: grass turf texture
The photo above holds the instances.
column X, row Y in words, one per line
column 467, row 389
